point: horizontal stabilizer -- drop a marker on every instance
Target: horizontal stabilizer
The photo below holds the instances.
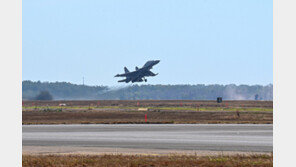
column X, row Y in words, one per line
column 122, row 80
column 120, row 75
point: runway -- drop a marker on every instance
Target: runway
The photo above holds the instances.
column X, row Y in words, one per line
column 194, row 137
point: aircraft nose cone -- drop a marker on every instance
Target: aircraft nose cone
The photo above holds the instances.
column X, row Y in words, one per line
column 157, row 61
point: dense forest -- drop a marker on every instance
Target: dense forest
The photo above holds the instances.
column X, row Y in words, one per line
column 69, row 91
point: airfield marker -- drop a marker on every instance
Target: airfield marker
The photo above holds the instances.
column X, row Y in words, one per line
column 237, row 113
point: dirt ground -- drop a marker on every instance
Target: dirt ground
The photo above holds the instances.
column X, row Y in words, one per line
column 121, row 112
column 147, row 160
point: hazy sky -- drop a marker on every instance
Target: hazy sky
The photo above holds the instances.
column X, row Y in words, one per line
column 197, row 41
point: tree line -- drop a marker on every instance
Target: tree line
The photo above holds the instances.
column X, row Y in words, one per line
column 68, row 91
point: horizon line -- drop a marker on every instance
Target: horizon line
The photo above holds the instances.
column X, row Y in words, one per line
column 147, row 84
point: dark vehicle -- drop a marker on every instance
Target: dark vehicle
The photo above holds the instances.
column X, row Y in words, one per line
column 219, row 99
column 139, row 74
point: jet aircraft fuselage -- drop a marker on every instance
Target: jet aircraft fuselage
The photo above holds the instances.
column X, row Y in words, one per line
column 139, row 74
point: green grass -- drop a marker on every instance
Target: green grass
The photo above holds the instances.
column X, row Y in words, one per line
column 76, row 107
column 153, row 108
column 211, row 109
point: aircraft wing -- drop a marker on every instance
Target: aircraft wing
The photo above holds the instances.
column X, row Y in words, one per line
column 149, row 73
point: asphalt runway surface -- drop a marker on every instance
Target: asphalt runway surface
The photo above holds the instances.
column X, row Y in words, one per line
column 211, row 137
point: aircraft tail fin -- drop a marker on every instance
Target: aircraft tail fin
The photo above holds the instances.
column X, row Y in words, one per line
column 137, row 68
column 126, row 70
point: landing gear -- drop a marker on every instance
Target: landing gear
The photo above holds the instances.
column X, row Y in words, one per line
column 145, row 79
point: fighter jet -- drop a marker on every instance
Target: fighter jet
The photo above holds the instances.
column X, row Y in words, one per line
column 139, row 74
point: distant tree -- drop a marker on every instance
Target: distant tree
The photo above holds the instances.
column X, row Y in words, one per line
column 44, row 95
column 256, row 97
column 69, row 91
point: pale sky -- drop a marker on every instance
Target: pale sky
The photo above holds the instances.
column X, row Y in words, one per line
column 197, row 41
